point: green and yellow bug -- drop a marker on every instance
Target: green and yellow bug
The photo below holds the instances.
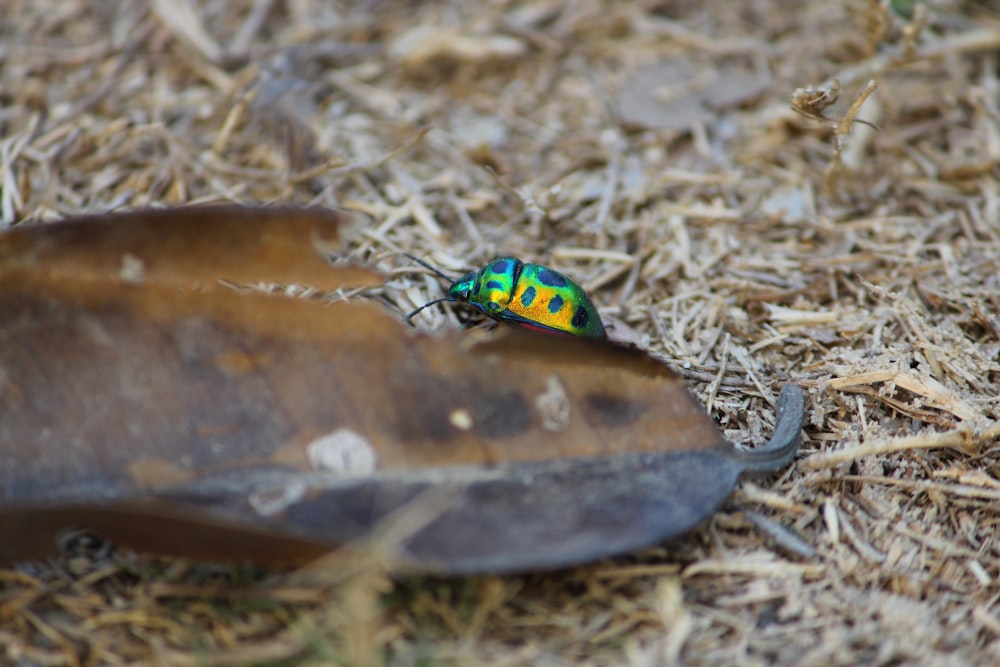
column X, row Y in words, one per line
column 529, row 295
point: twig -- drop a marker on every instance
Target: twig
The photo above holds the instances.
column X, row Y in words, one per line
column 964, row 439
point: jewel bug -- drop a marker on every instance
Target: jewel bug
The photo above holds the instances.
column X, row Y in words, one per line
column 529, row 295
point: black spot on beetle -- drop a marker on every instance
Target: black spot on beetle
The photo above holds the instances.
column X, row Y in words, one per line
column 556, row 304
column 551, row 278
column 580, row 318
column 475, row 288
column 494, row 284
column 613, row 411
column 528, row 297
column 501, row 267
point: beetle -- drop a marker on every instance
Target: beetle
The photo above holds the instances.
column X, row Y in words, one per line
column 529, row 295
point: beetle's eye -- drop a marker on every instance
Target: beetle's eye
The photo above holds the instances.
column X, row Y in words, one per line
column 494, row 307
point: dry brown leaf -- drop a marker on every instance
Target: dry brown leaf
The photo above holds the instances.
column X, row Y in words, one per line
column 184, row 247
column 326, row 423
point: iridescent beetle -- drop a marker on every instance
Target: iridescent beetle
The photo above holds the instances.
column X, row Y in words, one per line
column 530, row 295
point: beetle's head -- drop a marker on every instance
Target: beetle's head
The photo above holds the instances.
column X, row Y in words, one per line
column 461, row 289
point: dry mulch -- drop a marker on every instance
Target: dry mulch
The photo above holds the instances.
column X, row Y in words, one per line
column 850, row 244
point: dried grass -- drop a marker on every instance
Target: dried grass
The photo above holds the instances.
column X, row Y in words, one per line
column 741, row 249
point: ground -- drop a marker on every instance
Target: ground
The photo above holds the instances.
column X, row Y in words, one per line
column 688, row 163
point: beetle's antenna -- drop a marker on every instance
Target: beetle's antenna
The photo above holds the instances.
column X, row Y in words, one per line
column 427, row 266
column 430, row 303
